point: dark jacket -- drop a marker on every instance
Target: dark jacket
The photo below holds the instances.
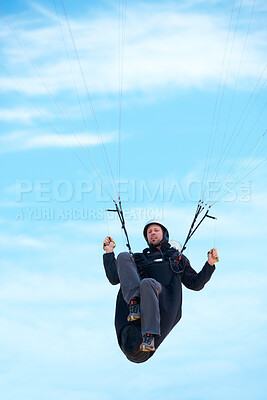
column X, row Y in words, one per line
column 173, row 270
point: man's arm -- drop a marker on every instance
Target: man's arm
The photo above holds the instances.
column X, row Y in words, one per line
column 196, row 281
column 109, row 261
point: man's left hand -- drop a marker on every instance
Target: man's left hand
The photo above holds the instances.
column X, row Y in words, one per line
column 213, row 256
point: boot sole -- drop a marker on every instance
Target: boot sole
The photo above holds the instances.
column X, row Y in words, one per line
column 146, row 348
column 133, row 318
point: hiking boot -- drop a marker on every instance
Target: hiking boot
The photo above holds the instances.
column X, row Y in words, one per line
column 148, row 343
column 134, row 310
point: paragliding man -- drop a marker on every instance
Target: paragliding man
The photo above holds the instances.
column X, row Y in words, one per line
column 150, row 297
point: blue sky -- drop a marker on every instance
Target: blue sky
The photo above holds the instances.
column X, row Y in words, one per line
column 192, row 75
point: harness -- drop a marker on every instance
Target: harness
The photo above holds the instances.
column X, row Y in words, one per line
column 158, row 265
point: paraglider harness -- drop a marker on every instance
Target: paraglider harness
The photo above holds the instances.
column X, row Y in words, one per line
column 159, row 263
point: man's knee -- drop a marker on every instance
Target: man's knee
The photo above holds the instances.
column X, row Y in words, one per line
column 150, row 283
column 124, row 256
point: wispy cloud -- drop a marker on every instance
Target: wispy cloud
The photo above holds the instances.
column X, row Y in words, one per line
column 66, row 140
column 162, row 47
column 21, row 241
column 34, row 288
column 20, row 141
column 19, row 115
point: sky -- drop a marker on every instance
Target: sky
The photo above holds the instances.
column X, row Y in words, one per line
column 164, row 104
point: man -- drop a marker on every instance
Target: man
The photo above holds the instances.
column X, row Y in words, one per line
column 150, row 297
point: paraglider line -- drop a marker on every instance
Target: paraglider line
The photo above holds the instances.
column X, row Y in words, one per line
column 192, row 230
column 119, row 211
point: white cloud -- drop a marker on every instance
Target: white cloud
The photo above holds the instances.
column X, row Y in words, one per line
column 21, row 241
column 163, row 47
column 19, row 141
column 19, row 115
column 66, row 140
column 30, row 287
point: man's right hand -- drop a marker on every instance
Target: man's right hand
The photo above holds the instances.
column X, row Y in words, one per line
column 109, row 244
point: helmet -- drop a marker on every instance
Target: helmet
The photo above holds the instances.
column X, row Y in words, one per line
column 157, row 222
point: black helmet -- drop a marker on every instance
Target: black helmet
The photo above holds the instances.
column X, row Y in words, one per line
column 157, row 222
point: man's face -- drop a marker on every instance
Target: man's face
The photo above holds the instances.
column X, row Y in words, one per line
column 154, row 234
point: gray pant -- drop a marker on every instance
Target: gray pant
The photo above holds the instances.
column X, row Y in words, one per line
column 147, row 289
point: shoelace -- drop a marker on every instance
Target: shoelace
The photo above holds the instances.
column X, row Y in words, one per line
column 148, row 339
column 134, row 308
